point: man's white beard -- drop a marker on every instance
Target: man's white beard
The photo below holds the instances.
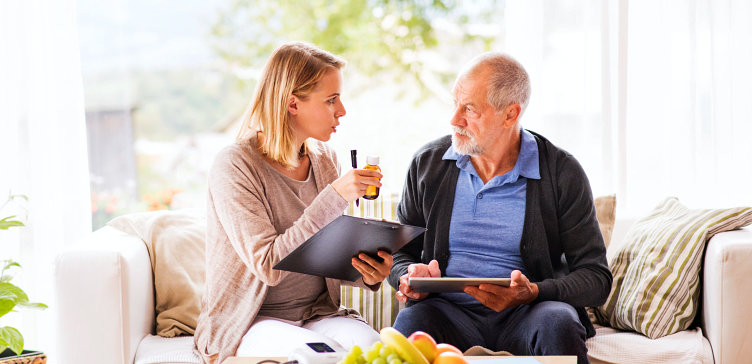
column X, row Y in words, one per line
column 469, row 147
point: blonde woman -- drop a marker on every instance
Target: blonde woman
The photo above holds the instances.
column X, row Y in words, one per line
column 275, row 187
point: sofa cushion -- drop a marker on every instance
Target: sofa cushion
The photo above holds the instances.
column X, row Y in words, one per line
column 656, row 271
column 614, row 346
column 162, row 350
column 605, row 212
column 175, row 241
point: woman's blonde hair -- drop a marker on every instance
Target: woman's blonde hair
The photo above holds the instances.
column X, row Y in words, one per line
column 293, row 69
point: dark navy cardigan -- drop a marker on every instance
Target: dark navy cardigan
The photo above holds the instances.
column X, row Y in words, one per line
column 562, row 246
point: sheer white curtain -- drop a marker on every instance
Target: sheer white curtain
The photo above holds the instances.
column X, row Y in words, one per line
column 689, row 115
column 42, row 149
column 651, row 96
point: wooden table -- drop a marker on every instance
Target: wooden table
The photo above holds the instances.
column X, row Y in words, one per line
column 561, row 359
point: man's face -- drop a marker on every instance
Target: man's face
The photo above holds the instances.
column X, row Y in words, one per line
column 475, row 122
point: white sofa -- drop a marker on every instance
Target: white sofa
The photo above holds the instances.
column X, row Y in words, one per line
column 105, row 298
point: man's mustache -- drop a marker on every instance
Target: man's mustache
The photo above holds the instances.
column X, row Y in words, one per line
column 461, row 131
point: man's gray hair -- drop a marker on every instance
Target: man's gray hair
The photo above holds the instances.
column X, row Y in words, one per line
column 508, row 82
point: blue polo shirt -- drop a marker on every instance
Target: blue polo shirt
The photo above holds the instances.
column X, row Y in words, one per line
column 486, row 226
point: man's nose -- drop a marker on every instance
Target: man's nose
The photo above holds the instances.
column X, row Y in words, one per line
column 457, row 118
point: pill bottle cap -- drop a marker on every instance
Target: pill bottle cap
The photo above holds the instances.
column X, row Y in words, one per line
column 372, row 160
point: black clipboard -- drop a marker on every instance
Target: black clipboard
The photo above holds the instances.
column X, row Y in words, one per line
column 329, row 252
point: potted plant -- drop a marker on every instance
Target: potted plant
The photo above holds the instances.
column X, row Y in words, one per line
column 11, row 296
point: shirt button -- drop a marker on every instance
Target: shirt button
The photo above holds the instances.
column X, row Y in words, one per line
column 480, row 195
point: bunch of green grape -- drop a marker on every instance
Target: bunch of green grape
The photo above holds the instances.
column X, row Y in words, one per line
column 378, row 353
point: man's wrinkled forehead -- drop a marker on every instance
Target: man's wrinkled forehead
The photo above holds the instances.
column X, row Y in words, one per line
column 472, row 70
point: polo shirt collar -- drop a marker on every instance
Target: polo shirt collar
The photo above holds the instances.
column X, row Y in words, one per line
column 527, row 162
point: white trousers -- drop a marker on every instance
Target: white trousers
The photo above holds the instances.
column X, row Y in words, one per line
column 270, row 337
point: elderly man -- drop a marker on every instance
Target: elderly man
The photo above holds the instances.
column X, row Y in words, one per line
column 500, row 201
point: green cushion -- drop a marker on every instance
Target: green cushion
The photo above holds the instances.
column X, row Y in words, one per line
column 657, row 270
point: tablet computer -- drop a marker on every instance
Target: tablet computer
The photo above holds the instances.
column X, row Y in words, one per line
column 329, row 252
column 448, row 284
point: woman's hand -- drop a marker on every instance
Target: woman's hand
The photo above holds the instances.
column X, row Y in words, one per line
column 352, row 185
column 373, row 272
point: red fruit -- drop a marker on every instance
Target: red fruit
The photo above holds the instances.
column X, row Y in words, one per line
column 425, row 343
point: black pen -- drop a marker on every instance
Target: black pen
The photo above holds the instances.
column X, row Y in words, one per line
column 354, row 160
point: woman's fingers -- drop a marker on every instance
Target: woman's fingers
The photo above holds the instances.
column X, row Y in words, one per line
column 371, row 268
column 353, row 184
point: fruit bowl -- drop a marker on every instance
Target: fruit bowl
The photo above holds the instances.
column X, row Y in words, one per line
column 395, row 348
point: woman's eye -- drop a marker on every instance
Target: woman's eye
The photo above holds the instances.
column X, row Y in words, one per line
column 332, row 100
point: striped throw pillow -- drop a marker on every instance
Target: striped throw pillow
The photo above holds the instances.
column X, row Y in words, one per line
column 657, row 271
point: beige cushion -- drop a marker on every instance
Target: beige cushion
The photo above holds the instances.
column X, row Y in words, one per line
column 605, row 211
column 656, row 272
column 176, row 241
column 615, row 346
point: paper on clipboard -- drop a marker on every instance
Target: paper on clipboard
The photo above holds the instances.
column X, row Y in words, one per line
column 328, row 253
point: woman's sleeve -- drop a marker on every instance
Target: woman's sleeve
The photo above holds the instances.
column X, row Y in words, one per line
column 239, row 201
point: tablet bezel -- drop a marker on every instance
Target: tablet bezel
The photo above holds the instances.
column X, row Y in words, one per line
column 451, row 284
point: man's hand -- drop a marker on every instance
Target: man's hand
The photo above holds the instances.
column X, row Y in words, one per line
column 416, row 270
column 498, row 298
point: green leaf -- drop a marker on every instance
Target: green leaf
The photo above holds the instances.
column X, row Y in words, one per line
column 10, row 296
column 13, row 289
column 19, row 196
column 7, row 302
column 10, row 263
column 34, row 305
column 5, row 223
column 12, row 338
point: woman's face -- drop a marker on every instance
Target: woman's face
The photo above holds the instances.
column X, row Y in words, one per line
column 318, row 115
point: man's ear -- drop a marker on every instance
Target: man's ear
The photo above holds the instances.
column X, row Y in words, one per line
column 292, row 105
column 511, row 114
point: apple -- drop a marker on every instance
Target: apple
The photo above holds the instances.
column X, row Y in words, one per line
column 425, row 343
column 450, row 357
column 444, row 347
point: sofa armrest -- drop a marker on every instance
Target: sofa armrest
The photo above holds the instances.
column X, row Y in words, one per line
column 726, row 295
column 105, row 296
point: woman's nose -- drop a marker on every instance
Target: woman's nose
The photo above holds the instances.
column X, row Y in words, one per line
column 341, row 110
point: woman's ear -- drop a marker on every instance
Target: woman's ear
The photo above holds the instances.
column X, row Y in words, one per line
column 292, row 105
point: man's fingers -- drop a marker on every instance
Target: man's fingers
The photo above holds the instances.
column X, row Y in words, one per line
column 517, row 278
column 433, row 269
column 492, row 288
column 477, row 293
